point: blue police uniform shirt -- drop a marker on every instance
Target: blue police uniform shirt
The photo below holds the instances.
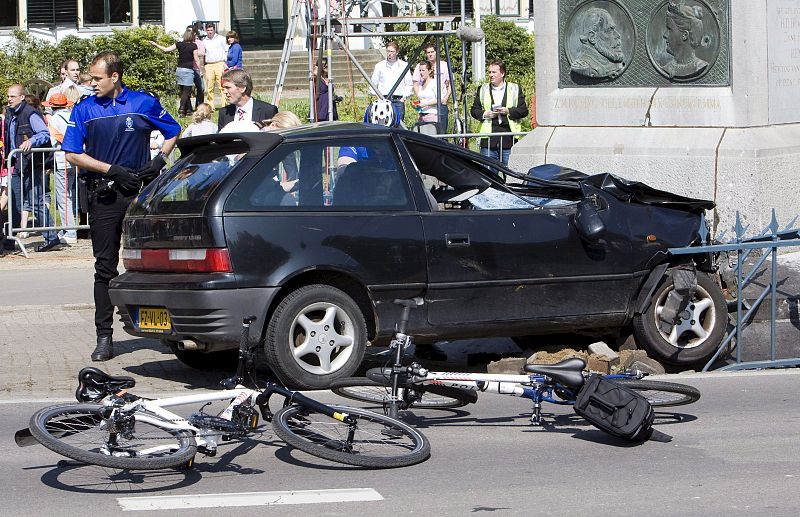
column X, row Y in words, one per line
column 117, row 131
column 356, row 153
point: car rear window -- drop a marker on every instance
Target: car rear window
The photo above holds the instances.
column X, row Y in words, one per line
column 186, row 187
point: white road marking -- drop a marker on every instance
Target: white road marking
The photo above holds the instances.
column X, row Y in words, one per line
column 178, row 502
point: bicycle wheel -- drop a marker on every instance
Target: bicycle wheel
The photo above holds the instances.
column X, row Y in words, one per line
column 662, row 394
column 366, row 390
column 375, row 441
column 78, row 431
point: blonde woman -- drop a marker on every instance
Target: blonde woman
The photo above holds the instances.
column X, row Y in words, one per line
column 201, row 122
column 281, row 120
column 288, row 168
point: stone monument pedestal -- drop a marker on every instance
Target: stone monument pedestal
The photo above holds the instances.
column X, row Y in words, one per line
column 737, row 144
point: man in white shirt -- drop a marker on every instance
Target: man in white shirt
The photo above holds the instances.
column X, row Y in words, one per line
column 216, row 51
column 57, row 88
column 442, row 71
column 70, row 76
column 386, row 75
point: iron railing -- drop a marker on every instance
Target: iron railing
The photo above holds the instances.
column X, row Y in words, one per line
column 770, row 239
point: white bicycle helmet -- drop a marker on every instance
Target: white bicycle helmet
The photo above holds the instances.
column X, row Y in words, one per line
column 381, row 112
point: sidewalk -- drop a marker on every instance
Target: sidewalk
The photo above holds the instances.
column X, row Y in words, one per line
column 67, row 256
column 47, row 332
column 45, row 346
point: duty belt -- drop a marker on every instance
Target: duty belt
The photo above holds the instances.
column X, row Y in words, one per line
column 96, row 182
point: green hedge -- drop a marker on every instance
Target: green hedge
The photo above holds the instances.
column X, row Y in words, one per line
column 26, row 57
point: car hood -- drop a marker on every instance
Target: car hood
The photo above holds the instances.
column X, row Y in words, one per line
column 568, row 181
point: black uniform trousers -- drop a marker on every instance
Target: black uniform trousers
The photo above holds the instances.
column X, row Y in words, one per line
column 106, row 212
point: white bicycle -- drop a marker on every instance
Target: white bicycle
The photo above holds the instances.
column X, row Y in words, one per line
column 113, row 428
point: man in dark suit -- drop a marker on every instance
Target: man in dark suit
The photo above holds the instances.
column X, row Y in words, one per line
column 238, row 86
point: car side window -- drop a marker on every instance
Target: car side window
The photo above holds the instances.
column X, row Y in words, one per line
column 325, row 175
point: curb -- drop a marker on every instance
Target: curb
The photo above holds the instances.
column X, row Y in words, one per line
column 36, row 308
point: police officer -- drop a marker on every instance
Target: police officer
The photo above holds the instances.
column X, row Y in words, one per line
column 109, row 137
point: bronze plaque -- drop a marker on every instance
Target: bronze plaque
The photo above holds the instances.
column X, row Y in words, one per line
column 601, row 40
column 641, row 43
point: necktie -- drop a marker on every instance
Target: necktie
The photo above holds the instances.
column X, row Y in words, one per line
column 240, row 111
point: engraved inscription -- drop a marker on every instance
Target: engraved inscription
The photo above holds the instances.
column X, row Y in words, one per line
column 683, row 39
column 783, row 51
column 599, row 40
column 684, row 104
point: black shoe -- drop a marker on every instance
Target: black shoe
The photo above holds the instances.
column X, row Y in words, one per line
column 103, row 351
column 48, row 246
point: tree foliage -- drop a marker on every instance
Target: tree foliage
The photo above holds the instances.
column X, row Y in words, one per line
column 25, row 57
column 504, row 40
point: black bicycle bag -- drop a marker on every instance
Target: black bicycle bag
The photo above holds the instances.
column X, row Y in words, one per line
column 615, row 409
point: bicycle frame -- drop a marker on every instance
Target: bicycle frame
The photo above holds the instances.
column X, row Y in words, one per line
column 165, row 419
column 208, row 438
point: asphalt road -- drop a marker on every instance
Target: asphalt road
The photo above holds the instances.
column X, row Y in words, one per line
column 735, row 452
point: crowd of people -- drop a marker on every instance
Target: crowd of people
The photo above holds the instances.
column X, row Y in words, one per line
column 28, row 123
column 499, row 105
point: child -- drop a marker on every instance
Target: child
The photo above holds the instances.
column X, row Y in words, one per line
column 201, row 122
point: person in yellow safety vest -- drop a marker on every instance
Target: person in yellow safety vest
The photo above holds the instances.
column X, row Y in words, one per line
column 499, row 105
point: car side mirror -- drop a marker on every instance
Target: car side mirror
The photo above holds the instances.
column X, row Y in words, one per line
column 588, row 222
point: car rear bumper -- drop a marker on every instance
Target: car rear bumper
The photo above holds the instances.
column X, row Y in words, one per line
column 212, row 318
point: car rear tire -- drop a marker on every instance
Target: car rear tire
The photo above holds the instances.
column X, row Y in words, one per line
column 316, row 335
column 694, row 339
column 224, row 360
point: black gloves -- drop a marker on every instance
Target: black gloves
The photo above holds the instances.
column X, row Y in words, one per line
column 151, row 169
column 125, row 178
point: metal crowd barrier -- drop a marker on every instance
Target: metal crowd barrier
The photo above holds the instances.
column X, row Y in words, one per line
column 34, row 187
column 459, row 138
column 769, row 240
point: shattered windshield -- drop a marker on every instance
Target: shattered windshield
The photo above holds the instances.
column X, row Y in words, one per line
column 455, row 182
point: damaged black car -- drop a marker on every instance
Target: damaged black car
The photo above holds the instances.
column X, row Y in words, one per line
column 318, row 229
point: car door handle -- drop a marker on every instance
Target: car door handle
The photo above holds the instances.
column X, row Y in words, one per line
column 456, row 239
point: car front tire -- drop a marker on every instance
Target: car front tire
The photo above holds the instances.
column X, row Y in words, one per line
column 316, row 335
column 696, row 337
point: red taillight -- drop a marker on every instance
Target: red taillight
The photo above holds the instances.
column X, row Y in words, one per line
column 201, row 260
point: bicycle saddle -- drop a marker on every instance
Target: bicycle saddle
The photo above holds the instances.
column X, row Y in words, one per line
column 568, row 372
column 94, row 384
